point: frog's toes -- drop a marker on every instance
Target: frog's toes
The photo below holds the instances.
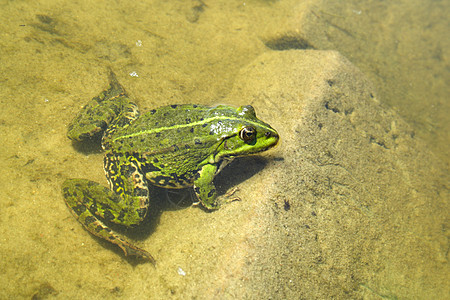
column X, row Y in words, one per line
column 130, row 250
column 229, row 197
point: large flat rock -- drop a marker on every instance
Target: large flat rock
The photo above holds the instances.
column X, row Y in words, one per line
column 350, row 207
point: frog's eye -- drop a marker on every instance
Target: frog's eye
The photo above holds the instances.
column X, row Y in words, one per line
column 247, row 134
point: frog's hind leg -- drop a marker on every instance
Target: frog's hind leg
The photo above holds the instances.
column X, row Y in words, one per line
column 111, row 108
column 92, row 203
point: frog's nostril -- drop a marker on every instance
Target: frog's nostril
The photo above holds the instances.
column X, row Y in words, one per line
column 269, row 134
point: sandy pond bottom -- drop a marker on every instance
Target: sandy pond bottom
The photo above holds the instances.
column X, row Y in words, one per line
column 353, row 204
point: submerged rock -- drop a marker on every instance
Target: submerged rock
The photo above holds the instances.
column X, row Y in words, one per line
column 351, row 205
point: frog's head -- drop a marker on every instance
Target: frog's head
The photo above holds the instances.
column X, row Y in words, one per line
column 250, row 135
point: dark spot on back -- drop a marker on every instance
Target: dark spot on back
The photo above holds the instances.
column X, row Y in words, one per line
column 147, row 168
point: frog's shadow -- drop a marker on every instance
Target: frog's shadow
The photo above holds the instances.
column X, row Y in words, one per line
column 171, row 200
column 238, row 171
column 89, row 146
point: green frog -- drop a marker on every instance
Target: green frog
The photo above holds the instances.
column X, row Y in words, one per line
column 173, row 147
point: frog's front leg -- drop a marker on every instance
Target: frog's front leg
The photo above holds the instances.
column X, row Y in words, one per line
column 126, row 204
column 204, row 187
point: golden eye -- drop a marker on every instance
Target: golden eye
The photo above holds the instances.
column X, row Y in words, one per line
column 247, row 134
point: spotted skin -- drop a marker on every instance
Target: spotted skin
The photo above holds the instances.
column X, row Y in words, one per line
column 90, row 202
column 173, row 146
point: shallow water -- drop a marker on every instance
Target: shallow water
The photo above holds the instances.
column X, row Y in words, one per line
column 55, row 56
